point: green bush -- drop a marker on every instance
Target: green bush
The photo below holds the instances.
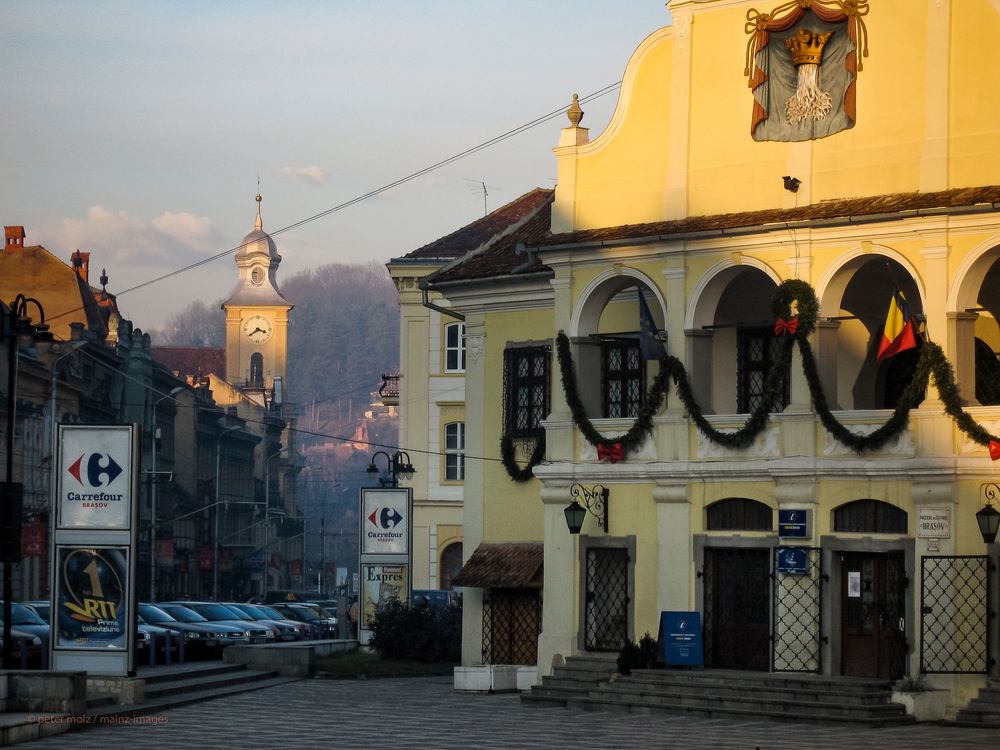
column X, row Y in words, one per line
column 400, row 631
column 641, row 655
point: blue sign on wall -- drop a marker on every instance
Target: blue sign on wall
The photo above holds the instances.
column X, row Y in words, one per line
column 680, row 634
column 792, row 560
column 793, row 523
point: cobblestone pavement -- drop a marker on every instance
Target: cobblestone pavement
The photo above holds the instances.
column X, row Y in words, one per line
column 427, row 713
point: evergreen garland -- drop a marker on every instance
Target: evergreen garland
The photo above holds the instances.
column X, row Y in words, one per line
column 643, row 423
column 509, row 460
column 792, row 298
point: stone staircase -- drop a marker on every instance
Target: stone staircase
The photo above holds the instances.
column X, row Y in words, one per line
column 718, row 693
column 167, row 687
column 983, row 710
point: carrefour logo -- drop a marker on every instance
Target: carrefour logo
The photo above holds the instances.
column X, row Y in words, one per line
column 99, row 466
column 386, row 522
column 101, row 471
column 385, row 518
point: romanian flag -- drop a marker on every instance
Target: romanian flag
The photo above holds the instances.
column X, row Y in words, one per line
column 900, row 332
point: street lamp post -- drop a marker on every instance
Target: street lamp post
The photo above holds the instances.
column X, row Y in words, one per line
column 16, row 324
column 215, row 555
column 154, row 491
column 267, row 517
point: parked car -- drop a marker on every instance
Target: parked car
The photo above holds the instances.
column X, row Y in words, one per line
column 26, row 649
column 435, row 599
column 199, row 634
column 219, row 614
column 323, row 627
column 149, row 635
column 304, row 629
column 27, row 620
column 41, row 608
column 287, row 630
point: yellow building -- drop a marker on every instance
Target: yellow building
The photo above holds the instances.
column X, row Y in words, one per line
column 431, row 400
column 762, row 187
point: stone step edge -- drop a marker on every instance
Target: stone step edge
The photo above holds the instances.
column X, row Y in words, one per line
column 655, row 685
column 196, row 683
column 590, row 703
column 182, row 699
column 709, row 701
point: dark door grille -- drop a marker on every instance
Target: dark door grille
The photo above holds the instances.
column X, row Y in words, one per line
column 512, row 620
column 797, row 614
column 954, row 614
column 607, row 600
column 737, row 597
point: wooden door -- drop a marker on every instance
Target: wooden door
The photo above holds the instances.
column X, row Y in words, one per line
column 737, row 616
column 873, row 629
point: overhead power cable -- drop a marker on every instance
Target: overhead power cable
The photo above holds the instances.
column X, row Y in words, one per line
column 370, row 194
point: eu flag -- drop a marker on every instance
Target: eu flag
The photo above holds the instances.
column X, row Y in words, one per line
column 649, row 343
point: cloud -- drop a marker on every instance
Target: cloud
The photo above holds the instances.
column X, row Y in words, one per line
column 117, row 236
column 314, row 175
column 188, row 229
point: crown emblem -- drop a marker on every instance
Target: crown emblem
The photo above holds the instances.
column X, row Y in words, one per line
column 807, row 47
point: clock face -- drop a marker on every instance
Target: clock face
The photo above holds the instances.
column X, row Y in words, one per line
column 257, row 328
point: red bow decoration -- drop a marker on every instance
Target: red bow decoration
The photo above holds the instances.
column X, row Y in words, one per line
column 612, row 452
column 786, row 326
column 994, row 450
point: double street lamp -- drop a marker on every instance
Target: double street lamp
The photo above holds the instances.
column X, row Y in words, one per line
column 16, row 326
column 398, row 465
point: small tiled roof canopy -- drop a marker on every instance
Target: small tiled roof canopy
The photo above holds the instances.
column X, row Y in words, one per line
column 509, row 565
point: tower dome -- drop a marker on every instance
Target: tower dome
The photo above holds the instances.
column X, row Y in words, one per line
column 258, row 242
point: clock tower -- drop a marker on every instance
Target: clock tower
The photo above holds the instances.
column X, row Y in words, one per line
column 257, row 320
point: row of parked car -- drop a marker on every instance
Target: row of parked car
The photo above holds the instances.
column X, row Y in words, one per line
column 201, row 629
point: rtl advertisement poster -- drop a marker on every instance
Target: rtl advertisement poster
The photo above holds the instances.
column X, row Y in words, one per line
column 92, row 597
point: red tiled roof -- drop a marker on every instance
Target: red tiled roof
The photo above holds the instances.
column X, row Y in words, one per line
column 509, row 565
column 193, row 361
column 482, row 231
column 864, row 209
column 499, row 258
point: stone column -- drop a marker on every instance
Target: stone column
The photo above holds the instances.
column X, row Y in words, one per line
column 560, row 603
column 961, row 352
column 673, row 546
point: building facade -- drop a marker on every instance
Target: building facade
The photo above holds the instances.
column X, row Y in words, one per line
column 431, row 387
column 814, row 502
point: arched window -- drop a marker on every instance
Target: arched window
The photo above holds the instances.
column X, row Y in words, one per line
column 739, row 514
column 256, row 370
column 451, row 563
column 869, row 517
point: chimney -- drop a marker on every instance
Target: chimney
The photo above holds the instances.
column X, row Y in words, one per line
column 14, row 237
column 81, row 262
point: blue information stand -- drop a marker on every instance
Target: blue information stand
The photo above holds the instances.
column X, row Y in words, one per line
column 680, row 634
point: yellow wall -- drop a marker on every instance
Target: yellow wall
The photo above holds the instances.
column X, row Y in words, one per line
column 620, row 174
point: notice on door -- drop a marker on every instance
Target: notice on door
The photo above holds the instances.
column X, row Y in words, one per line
column 934, row 522
column 854, row 584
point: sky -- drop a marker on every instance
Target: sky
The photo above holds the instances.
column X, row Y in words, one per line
column 137, row 130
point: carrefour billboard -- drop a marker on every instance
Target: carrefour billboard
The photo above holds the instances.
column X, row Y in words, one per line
column 95, row 477
column 385, row 521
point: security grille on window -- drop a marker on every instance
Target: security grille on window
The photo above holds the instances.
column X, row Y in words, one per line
column 454, row 347
column 756, row 349
column 454, row 451
column 623, row 381
column 526, row 390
